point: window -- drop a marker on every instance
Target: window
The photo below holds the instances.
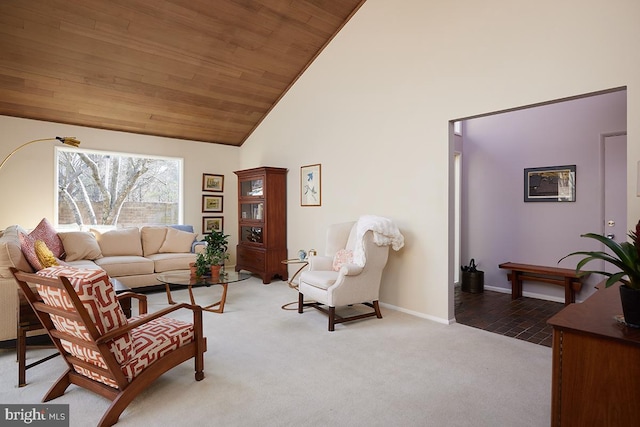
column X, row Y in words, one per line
column 457, row 127
column 98, row 188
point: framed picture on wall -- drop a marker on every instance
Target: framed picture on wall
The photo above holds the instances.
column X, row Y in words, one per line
column 211, row 182
column 211, row 223
column 310, row 185
column 550, row 184
column 211, row 203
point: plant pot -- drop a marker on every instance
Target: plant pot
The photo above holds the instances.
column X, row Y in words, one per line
column 472, row 281
column 192, row 269
column 630, row 299
column 215, row 271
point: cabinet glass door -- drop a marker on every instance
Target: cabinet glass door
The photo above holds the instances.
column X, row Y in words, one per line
column 252, row 211
column 251, row 234
column 251, row 188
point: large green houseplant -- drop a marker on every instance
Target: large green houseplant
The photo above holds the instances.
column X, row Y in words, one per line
column 217, row 245
column 216, row 250
column 202, row 265
column 214, row 255
column 626, row 257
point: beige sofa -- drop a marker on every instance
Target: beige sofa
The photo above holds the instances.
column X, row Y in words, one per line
column 133, row 256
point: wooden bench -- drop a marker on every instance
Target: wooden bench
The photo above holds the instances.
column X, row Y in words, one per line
column 566, row 277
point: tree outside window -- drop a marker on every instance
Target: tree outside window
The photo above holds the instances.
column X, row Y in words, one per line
column 116, row 189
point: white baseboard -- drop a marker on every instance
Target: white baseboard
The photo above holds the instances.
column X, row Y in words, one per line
column 490, row 288
column 418, row 314
column 529, row 294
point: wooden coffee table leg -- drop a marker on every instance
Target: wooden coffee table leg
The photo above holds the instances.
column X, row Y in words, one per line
column 193, row 300
column 219, row 304
column 169, row 299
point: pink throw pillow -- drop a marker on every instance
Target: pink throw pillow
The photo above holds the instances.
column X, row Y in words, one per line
column 343, row 256
column 44, row 231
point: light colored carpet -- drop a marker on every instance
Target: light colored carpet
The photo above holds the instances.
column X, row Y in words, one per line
column 272, row 367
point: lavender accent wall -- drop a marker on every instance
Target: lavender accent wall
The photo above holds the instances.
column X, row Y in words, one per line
column 497, row 225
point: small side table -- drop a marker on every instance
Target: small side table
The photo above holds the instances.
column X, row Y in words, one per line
column 292, row 281
column 27, row 321
column 125, row 303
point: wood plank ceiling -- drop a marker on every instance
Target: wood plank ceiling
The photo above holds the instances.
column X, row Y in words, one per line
column 204, row 70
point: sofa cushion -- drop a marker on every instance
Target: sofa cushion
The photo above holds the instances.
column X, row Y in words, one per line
column 125, row 241
column 176, row 241
column 183, row 227
column 152, row 238
column 117, row 266
column 168, row 262
column 28, row 247
column 82, row 263
column 319, row 279
column 11, row 254
column 44, row 231
column 80, row 245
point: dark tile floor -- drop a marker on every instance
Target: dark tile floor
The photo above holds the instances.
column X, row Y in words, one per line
column 524, row 318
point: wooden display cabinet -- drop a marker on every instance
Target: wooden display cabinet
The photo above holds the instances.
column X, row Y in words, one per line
column 262, row 222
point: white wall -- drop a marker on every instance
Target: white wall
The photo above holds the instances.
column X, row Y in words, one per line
column 498, row 226
column 27, row 180
column 374, row 107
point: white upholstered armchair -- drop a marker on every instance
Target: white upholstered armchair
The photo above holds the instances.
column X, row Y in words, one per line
column 351, row 270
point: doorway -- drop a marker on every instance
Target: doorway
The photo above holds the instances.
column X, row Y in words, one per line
column 496, row 225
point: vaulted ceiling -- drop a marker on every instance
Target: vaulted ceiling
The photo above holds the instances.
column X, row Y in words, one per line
column 204, row 70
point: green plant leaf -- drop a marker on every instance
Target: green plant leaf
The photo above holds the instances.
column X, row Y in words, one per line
column 217, row 245
column 617, row 277
column 625, row 257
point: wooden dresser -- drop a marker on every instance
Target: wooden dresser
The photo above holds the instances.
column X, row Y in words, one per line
column 262, row 225
column 596, row 364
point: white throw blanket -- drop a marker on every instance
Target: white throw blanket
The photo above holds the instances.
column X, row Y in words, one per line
column 385, row 232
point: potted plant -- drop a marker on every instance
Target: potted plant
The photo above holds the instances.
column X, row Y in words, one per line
column 626, row 257
column 201, row 266
column 216, row 250
column 472, row 278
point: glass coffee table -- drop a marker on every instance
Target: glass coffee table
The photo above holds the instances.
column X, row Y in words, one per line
column 183, row 278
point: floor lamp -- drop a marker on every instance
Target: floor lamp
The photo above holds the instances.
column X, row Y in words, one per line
column 22, row 330
column 68, row 140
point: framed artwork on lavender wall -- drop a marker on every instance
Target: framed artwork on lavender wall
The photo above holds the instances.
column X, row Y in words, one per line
column 550, row 184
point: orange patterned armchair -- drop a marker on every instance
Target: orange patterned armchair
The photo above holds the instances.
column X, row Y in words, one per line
column 105, row 352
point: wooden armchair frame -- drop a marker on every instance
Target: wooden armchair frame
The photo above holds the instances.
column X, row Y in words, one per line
column 126, row 390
